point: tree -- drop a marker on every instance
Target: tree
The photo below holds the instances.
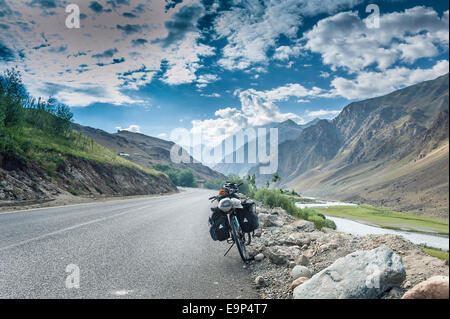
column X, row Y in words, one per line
column 12, row 94
column 186, row 178
column 173, row 175
column 63, row 119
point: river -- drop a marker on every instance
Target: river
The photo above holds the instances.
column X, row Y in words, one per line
column 359, row 229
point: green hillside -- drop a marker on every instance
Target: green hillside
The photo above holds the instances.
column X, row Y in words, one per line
column 42, row 130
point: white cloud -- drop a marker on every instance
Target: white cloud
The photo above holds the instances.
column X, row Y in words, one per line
column 94, row 63
column 344, row 40
column 204, row 79
column 184, row 60
column 132, row 128
column 253, row 27
column 211, row 95
column 284, row 53
column 322, row 113
column 283, row 93
column 162, row 135
column 257, row 109
column 371, row 84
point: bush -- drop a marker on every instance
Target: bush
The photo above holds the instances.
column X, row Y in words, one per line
column 274, row 198
column 246, row 188
column 180, row 178
column 186, row 178
column 215, row 183
column 17, row 109
column 173, row 175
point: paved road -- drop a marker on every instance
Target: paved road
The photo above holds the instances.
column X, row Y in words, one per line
column 141, row 248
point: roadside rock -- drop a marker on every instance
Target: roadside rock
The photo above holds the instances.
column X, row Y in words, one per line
column 259, row 257
column 434, row 288
column 321, row 248
column 262, row 217
column 302, row 260
column 303, row 225
column 362, row 274
column 273, row 221
column 297, row 282
column 259, row 281
column 300, row 271
column 280, row 255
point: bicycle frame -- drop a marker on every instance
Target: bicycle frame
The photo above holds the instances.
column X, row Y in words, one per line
column 237, row 236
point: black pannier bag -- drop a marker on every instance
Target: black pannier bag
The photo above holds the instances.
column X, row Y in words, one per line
column 218, row 222
column 247, row 217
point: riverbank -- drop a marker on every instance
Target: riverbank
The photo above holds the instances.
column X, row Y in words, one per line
column 282, row 243
column 355, row 228
column 386, row 218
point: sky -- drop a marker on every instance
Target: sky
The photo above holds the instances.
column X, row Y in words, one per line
column 220, row 66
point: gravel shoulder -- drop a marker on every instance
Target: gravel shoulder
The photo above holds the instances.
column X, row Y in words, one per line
column 285, row 243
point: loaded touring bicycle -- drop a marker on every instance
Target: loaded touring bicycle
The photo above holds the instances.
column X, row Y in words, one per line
column 234, row 219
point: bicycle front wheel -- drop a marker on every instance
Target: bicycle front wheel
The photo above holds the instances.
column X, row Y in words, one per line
column 239, row 238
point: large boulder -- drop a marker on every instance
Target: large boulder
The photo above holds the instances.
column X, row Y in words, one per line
column 434, row 288
column 297, row 282
column 362, row 274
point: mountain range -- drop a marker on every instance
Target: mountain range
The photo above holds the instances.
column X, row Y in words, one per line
column 144, row 150
column 287, row 130
column 390, row 151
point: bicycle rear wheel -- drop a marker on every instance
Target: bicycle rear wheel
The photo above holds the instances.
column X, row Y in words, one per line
column 239, row 238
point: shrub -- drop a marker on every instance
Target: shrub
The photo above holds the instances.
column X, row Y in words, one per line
column 215, row 183
column 274, row 198
column 186, row 178
column 246, row 188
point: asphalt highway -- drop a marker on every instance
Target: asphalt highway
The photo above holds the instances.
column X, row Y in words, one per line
column 155, row 247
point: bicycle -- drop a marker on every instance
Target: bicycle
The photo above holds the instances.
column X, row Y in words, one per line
column 237, row 235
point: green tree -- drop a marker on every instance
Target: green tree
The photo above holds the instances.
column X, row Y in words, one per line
column 214, row 183
column 12, row 94
column 186, row 178
column 62, row 121
column 173, row 175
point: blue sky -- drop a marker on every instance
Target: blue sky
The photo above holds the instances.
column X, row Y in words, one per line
column 220, row 66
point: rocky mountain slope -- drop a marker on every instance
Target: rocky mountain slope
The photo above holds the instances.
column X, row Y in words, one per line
column 25, row 182
column 292, row 259
column 390, row 151
column 144, row 150
column 287, row 131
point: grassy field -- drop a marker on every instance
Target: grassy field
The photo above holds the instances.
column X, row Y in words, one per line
column 35, row 144
column 441, row 254
column 388, row 219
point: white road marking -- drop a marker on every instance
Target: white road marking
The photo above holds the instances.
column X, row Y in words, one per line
column 71, row 227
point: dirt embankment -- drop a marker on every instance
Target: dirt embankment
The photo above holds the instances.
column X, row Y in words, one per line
column 27, row 182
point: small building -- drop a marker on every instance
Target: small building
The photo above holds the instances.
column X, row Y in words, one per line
column 122, row 154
